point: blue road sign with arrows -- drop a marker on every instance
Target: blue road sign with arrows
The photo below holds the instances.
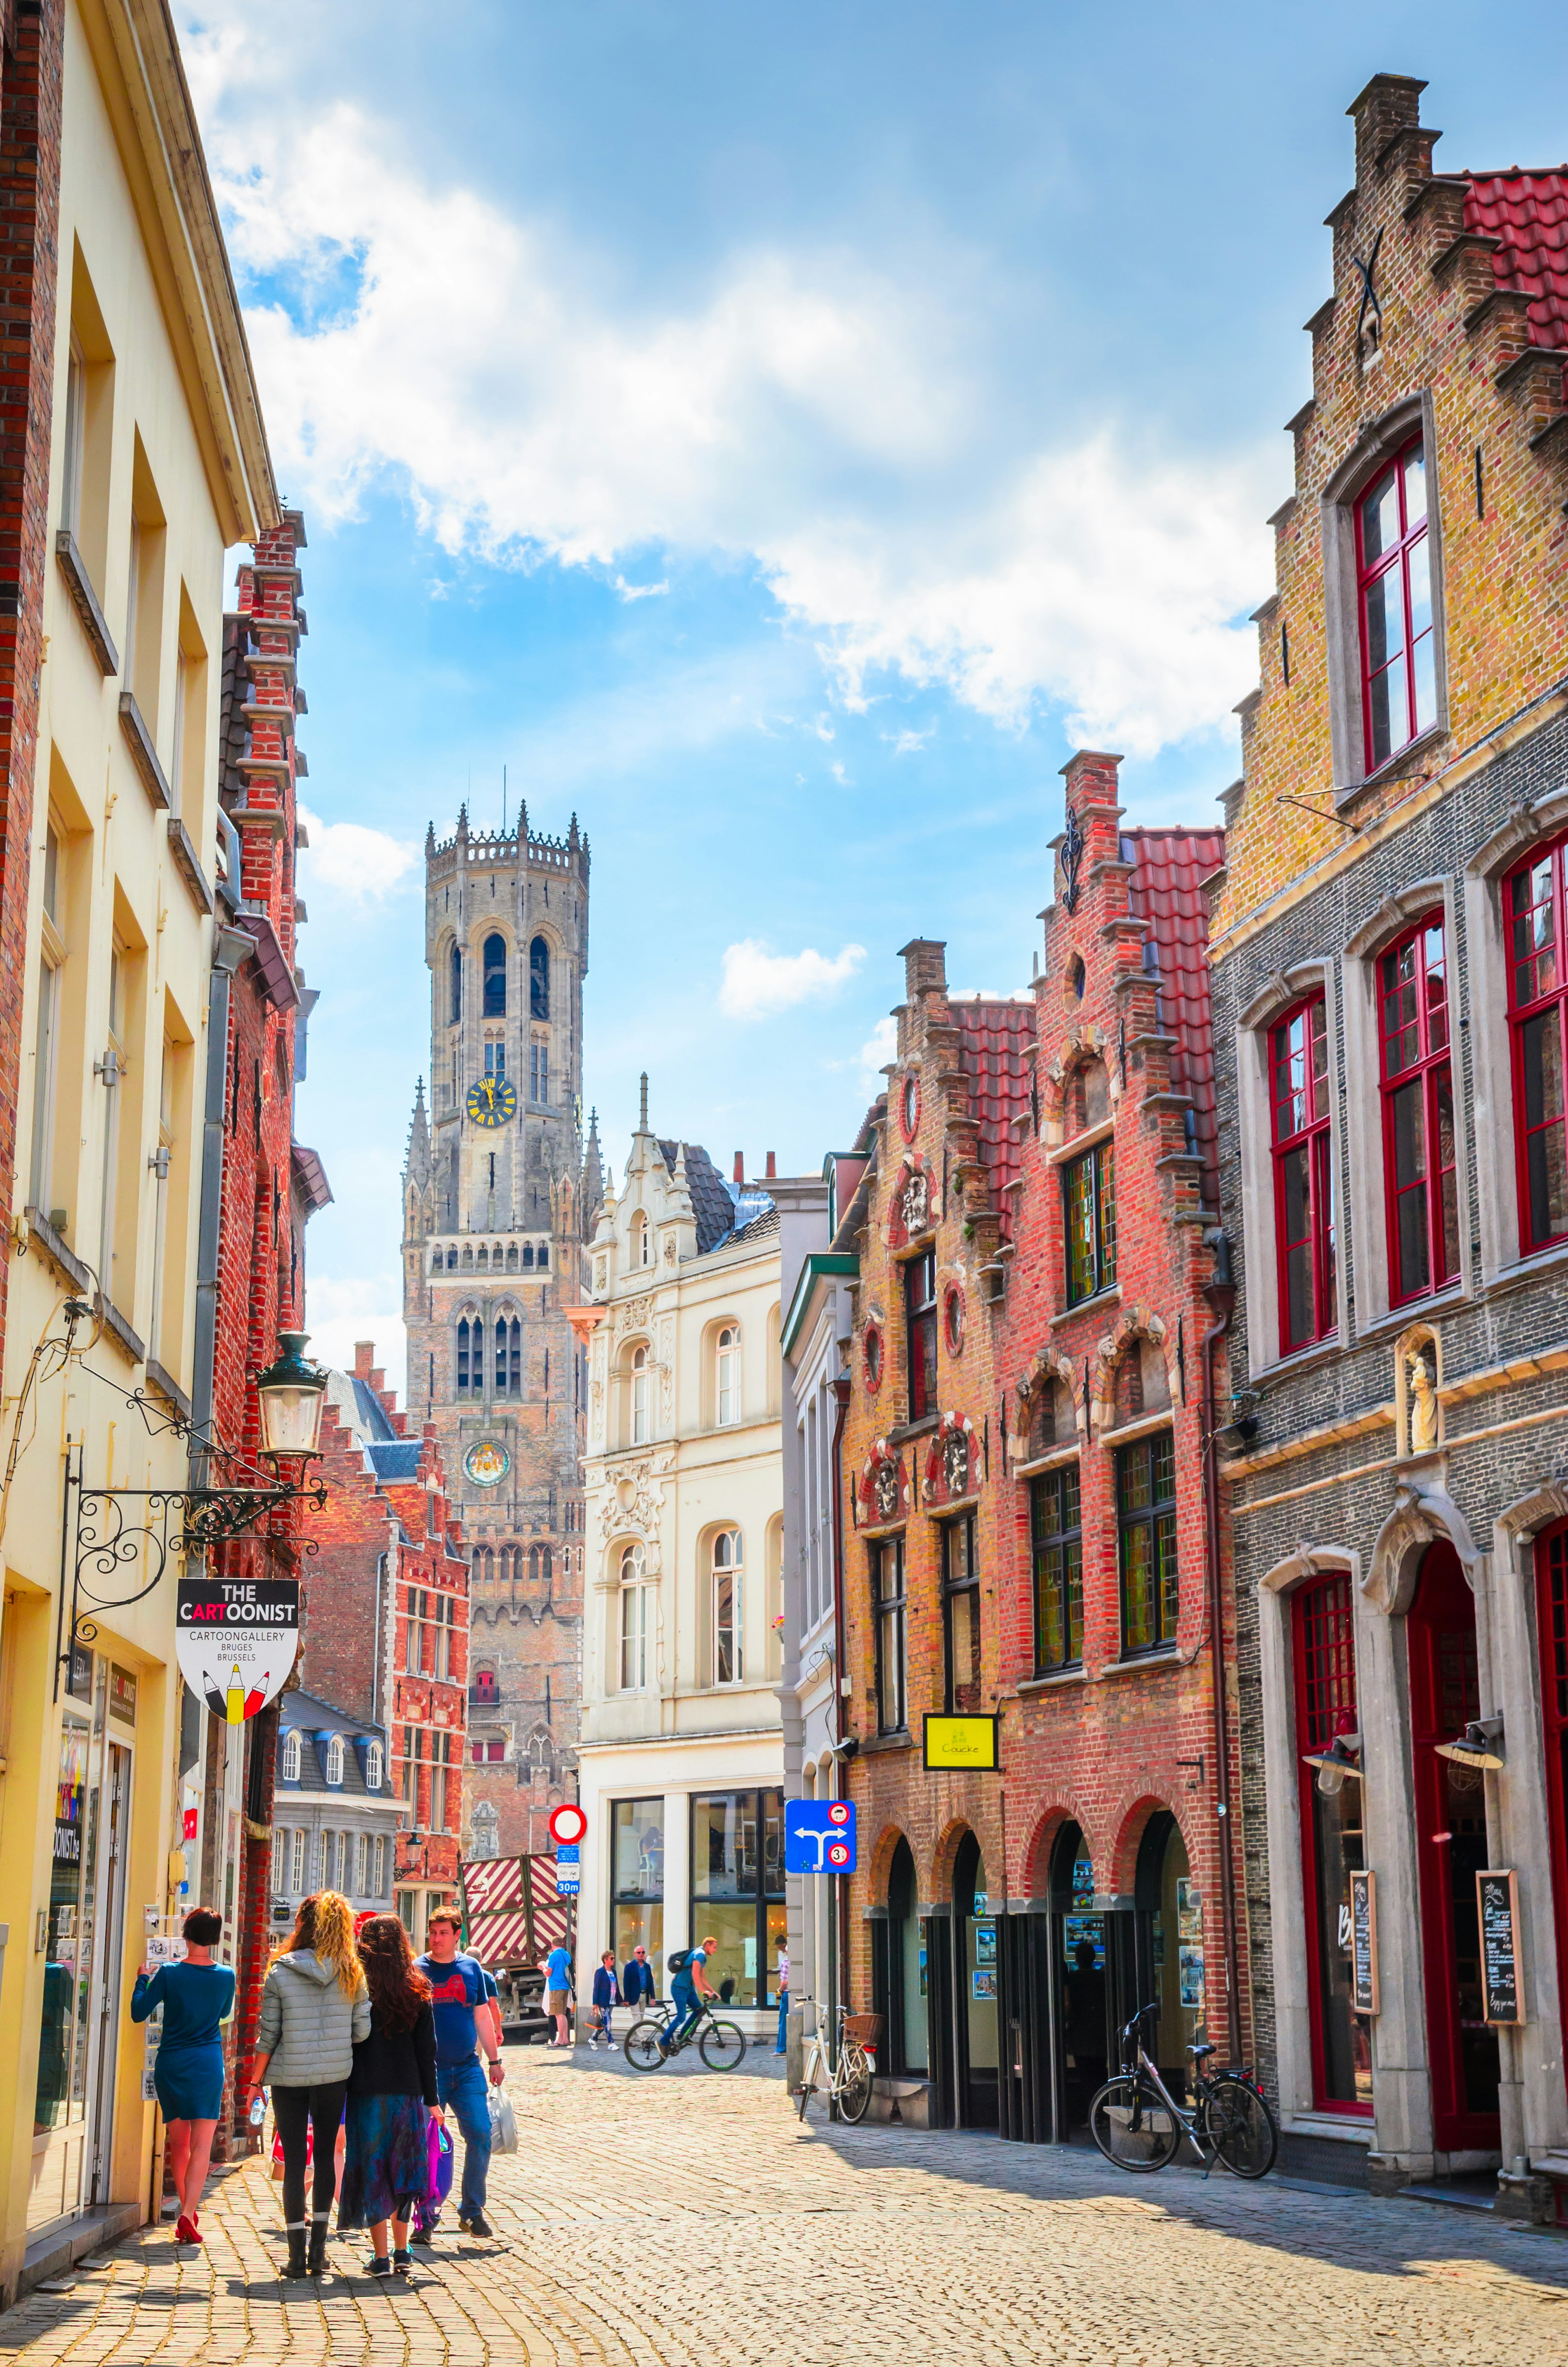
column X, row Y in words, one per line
column 819, row 1836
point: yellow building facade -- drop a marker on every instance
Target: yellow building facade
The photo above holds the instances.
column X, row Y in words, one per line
column 158, row 463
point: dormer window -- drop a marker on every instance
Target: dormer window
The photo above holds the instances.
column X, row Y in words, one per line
column 334, row 1760
column 1394, row 577
column 374, row 1771
column 291, row 1766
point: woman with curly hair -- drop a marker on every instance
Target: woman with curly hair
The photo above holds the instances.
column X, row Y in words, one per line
column 315, row 2007
column 392, row 2094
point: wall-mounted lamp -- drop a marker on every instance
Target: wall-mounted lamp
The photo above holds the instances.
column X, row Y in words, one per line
column 1336, row 1763
column 1481, row 1744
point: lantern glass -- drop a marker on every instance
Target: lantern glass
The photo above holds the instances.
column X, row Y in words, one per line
column 290, row 1395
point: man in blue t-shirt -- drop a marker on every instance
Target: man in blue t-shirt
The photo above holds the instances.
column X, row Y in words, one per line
column 559, row 1992
column 461, row 1994
column 688, row 1989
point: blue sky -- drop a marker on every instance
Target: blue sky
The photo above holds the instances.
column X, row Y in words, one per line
column 779, row 437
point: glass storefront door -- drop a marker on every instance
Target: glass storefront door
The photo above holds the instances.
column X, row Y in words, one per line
column 637, row 1882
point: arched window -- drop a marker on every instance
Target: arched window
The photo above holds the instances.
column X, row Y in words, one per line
column 494, row 977
column 456, row 972
column 544, row 1258
column 642, row 1240
column 334, row 1760
column 638, row 1397
column 544, row 1565
column 291, row 1756
column 483, row 1565
column 508, row 1357
column 728, row 1656
column 636, row 1622
column 528, row 1254
column 452, row 1260
column 471, row 1358
column 373, row 1770
column 538, row 979
column 1303, row 1172
column 727, row 1393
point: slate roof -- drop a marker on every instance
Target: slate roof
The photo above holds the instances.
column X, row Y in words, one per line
column 372, row 1413
column 994, row 1043
column 1164, row 890
column 710, row 1201
column 760, row 1230
column 394, row 1459
column 1528, row 212
column 313, row 1716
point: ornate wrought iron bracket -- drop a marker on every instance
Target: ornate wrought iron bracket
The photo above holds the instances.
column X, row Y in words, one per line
column 1369, row 303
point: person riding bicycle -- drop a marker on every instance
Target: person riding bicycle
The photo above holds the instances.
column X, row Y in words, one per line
column 691, row 1990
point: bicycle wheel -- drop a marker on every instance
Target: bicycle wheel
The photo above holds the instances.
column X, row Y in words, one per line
column 1241, row 2127
column 722, row 2044
column 855, row 2094
column 1131, row 2125
column 643, row 2048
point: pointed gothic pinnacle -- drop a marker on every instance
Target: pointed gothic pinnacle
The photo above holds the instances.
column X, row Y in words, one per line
column 643, row 1115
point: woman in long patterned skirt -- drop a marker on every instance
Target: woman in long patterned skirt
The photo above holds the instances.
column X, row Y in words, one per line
column 391, row 2098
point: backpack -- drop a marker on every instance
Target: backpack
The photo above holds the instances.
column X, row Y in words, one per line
column 681, row 1960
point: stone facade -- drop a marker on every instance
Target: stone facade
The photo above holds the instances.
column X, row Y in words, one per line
column 496, row 1194
column 1395, row 1494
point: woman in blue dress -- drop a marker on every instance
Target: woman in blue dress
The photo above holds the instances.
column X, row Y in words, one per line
column 188, row 2071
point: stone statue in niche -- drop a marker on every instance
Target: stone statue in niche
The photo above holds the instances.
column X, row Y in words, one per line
column 955, row 1462
column 916, row 1202
column 1423, row 1404
column 886, row 1486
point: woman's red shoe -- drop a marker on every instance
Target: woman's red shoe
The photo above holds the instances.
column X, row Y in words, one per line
column 186, row 2231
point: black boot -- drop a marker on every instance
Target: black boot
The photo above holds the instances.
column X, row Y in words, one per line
column 318, row 2245
column 296, row 2263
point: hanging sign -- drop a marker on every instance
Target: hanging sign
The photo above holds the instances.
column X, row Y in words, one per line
column 236, row 1639
column 1363, row 1941
column 1497, row 1899
column 969, row 1742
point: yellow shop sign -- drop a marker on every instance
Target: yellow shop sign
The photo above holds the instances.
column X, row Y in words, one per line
column 971, row 1743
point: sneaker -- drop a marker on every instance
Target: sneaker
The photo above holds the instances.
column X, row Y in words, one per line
column 476, row 2224
column 377, row 2268
column 593, row 2045
column 612, row 2046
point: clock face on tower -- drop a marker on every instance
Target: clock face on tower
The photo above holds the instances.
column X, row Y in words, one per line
column 492, row 1101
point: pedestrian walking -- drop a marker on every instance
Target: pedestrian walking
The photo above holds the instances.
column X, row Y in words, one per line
column 690, row 1987
column 314, row 2009
column 782, row 1978
column 187, row 2073
column 606, row 1997
column 560, row 1993
column 461, row 1994
column 638, row 1986
column 393, row 2097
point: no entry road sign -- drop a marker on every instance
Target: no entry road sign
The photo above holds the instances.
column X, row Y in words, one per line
column 819, row 1836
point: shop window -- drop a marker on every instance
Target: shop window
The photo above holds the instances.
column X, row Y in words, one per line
column 1418, row 1114
column 1056, row 1529
column 1146, row 1522
column 1088, row 1198
column 907, row 1967
column 1393, row 578
column 1332, row 1841
column 960, row 1614
column 637, row 1881
column 737, row 1890
column 920, row 1332
column 1537, row 991
column 1303, row 1173
column 887, row 1611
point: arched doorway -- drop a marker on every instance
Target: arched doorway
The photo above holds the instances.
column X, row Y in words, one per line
column 909, row 2046
column 978, row 1973
column 1081, row 1961
column 1450, row 1849
column 1172, row 1963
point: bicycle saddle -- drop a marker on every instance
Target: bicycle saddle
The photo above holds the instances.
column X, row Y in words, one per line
column 1197, row 2052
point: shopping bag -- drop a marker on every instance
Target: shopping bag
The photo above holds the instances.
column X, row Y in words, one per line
column 441, row 2160
column 503, row 2123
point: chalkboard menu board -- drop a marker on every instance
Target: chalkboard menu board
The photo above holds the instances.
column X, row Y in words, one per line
column 1364, row 1940
column 1497, row 1899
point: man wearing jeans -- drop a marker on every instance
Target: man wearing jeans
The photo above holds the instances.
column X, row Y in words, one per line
column 691, row 1990
column 461, row 1991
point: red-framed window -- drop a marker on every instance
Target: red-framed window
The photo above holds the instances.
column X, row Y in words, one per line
column 1303, row 1173
column 1419, row 1181
column 1533, row 914
column 920, row 1332
column 1551, row 1600
column 1331, row 1842
column 1393, row 580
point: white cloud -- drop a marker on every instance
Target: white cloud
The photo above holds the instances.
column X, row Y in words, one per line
column 908, row 743
column 758, row 983
column 354, row 859
column 341, row 1310
column 809, row 413
column 638, row 591
column 880, row 1047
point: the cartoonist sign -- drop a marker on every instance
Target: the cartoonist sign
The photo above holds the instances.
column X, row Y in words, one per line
column 236, row 1640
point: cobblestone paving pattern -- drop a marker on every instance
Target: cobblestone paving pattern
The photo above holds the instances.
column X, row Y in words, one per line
column 680, row 2216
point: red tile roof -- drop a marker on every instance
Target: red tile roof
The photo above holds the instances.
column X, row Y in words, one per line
column 1168, row 867
column 1528, row 211
column 996, row 1041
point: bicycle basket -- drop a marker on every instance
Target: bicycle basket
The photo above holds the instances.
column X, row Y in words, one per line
column 865, row 2028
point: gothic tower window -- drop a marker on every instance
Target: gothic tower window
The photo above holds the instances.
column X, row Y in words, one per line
column 471, row 1358
column 494, row 977
column 508, row 1357
column 456, row 1011
column 538, row 979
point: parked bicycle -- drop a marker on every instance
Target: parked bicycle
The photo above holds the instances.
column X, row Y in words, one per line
column 649, row 2043
column 1138, row 2124
column 849, row 2085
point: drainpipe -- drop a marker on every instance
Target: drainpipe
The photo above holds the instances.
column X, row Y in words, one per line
column 841, row 1897
column 230, row 947
column 1221, row 1292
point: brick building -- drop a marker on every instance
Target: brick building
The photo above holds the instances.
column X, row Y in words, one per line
column 387, row 1641
column 497, row 1193
column 1389, row 1018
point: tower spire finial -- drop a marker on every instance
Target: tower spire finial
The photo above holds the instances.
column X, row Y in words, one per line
column 643, row 1110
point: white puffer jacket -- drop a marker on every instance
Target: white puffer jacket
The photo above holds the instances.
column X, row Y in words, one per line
column 307, row 2025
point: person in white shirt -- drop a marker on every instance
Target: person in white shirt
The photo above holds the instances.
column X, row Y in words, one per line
column 782, row 1978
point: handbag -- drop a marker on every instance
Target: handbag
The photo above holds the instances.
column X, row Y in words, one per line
column 503, row 2123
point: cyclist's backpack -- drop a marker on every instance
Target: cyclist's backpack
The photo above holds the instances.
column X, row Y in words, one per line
column 680, row 1961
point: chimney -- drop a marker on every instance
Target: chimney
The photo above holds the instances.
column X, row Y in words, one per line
column 772, row 1166
column 739, row 1167
column 925, row 966
column 1389, row 104
column 364, row 1358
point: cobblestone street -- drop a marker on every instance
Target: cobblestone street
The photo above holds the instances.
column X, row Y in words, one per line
column 685, row 2216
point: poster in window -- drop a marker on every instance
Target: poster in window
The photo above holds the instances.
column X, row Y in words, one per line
column 1497, row 1900
column 984, row 1984
column 985, row 1943
column 1190, row 1911
column 1189, row 1974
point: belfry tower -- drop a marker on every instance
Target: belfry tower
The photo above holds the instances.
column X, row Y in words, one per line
column 493, row 1224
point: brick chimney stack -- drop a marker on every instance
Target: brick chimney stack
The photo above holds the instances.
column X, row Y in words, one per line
column 772, row 1166
column 739, row 1167
column 925, row 966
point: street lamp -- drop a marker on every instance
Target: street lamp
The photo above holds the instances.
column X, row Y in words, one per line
column 290, row 1395
column 1481, row 1744
column 1336, row 1763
